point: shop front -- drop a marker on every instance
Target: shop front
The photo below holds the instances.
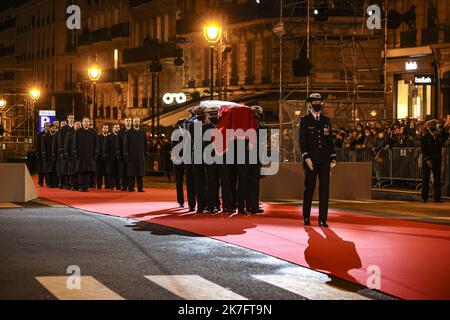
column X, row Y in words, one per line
column 413, row 82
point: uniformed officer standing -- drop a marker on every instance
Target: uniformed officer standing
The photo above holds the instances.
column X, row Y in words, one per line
column 212, row 170
column 85, row 151
column 431, row 144
column 189, row 167
column 48, row 158
column 198, row 168
column 101, row 161
column 69, row 155
column 255, row 168
column 59, row 144
column 111, row 161
column 40, row 168
column 135, row 151
column 178, row 166
column 120, row 154
column 317, row 148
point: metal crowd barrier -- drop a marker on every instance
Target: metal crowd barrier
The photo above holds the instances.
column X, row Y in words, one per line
column 393, row 164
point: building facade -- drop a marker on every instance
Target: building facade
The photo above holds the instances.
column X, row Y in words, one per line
column 418, row 60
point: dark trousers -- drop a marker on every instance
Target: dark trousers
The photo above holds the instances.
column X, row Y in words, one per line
column 200, row 185
column 112, row 181
column 101, row 176
column 323, row 171
column 84, row 180
column 190, row 186
column 228, row 174
column 73, row 181
column 212, row 185
column 436, row 177
column 254, row 173
column 92, row 176
column 51, row 180
column 179, row 178
column 132, row 183
column 123, row 174
column 242, row 188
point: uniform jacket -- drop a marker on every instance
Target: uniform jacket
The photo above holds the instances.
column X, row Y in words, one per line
column 316, row 139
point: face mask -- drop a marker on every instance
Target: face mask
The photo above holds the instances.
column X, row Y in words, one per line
column 316, row 107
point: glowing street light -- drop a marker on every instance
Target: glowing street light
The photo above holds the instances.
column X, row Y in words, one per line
column 212, row 33
column 2, row 103
column 35, row 93
column 95, row 72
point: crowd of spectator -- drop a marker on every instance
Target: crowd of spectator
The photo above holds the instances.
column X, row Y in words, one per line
column 374, row 136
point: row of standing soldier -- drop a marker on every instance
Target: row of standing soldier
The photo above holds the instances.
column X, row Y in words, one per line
column 239, row 183
column 76, row 158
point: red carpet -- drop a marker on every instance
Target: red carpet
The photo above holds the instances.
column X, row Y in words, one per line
column 413, row 257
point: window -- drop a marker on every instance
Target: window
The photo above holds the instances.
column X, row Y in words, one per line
column 158, row 27
column 192, row 64
column 234, row 61
column 267, row 60
column 413, row 100
column 250, row 59
column 116, row 59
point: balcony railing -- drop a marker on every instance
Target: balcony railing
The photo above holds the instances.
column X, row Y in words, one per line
column 101, row 35
column 120, row 30
column 148, row 53
column 408, row 39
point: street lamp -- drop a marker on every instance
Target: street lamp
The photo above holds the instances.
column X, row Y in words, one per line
column 212, row 33
column 2, row 103
column 35, row 94
column 95, row 72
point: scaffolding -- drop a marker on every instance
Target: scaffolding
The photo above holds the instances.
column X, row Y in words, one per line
column 351, row 97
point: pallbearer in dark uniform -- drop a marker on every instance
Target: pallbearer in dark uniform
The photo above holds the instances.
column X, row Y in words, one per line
column 85, row 151
column 120, row 154
column 135, row 151
column 48, row 158
column 317, row 148
column 178, row 164
column 71, row 162
column 111, row 161
column 198, row 166
column 255, row 168
column 39, row 165
column 212, row 171
column 189, row 167
column 101, row 163
column 431, row 144
column 59, row 144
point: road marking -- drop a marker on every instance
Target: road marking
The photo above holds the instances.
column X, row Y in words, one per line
column 309, row 288
column 9, row 205
column 194, row 287
column 91, row 289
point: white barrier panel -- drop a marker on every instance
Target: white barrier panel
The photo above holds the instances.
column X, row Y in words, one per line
column 16, row 184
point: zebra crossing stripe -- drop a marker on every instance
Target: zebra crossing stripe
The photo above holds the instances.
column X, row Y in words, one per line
column 90, row 289
column 309, row 288
column 194, row 287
